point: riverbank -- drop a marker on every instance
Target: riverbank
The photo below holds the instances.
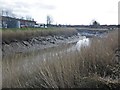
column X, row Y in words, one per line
column 17, row 41
column 95, row 66
column 92, row 32
column 37, row 43
column 13, row 35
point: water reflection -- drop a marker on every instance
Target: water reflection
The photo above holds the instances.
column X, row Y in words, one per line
column 84, row 42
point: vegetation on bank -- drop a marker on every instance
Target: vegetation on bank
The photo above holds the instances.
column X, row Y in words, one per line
column 96, row 66
column 10, row 35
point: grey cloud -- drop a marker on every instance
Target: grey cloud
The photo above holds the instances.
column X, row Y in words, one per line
column 34, row 5
column 19, row 4
column 24, row 6
column 44, row 6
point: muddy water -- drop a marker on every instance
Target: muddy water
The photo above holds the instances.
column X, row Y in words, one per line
column 18, row 65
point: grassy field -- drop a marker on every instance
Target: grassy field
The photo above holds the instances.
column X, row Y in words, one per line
column 9, row 35
column 96, row 66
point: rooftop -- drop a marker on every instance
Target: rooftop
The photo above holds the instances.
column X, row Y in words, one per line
column 18, row 19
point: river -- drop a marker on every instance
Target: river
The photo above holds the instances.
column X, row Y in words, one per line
column 18, row 64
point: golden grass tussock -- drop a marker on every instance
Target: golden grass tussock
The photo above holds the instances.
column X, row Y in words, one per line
column 96, row 66
column 11, row 35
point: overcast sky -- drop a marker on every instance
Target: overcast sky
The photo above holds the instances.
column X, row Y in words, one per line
column 65, row 11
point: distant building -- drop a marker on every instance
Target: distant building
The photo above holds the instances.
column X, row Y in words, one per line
column 9, row 22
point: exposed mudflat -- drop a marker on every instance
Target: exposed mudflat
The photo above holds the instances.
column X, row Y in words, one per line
column 42, row 42
column 37, row 43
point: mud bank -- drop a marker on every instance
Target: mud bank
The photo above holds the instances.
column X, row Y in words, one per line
column 42, row 42
column 89, row 33
column 37, row 43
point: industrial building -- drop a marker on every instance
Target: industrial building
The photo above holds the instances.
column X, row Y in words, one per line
column 10, row 22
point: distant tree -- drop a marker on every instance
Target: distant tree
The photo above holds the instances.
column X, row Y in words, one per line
column 13, row 15
column 49, row 20
column 8, row 13
column 22, row 18
column 4, row 13
column 28, row 18
column 32, row 19
column 95, row 23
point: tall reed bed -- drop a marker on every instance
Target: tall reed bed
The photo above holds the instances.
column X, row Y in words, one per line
column 96, row 66
column 10, row 35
